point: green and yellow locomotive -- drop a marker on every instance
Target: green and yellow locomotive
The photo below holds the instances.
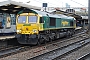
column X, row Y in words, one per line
column 36, row 27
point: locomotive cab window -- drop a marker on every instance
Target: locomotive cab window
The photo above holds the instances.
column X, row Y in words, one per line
column 32, row 19
column 41, row 20
column 22, row 19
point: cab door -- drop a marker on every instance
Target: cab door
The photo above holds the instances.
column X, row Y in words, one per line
column 41, row 25
column 46, row 22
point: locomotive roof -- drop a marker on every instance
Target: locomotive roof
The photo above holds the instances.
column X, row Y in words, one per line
column 42, row 13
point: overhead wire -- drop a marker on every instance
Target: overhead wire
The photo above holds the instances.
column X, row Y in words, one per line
column 78, row 3
column 52, row 4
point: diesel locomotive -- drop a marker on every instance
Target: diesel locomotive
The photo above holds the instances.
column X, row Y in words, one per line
column 35, row 27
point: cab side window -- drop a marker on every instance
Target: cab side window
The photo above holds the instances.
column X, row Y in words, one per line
column 41, row 20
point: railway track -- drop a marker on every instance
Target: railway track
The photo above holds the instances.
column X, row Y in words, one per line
column 62, row 50
column 82, row 53
column 38, row 50
column 85, row 57
column 8, row 47
column 7, row 51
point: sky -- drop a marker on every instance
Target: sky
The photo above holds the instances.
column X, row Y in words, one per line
column 55, row 3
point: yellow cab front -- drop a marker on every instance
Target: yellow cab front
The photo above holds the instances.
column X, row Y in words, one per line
column 27, row 23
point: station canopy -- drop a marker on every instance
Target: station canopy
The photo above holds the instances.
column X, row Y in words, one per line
column 14, row 7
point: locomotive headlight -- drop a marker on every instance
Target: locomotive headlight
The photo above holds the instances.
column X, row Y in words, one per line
column 18, row 30
column 34, row 31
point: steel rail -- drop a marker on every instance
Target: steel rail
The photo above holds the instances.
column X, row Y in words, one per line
column 84, row 56
column 61, row 51
column 15, row 50
column 8, row 51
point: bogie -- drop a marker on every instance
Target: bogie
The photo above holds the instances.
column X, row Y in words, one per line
column 42, row 38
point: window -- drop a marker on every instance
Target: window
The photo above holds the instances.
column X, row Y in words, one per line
column 41, row 20
column 70, row 10
column 13, row 19
column 21, row 19
column 32, row 19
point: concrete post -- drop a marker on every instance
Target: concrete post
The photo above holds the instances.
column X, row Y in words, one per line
column 89, row 16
